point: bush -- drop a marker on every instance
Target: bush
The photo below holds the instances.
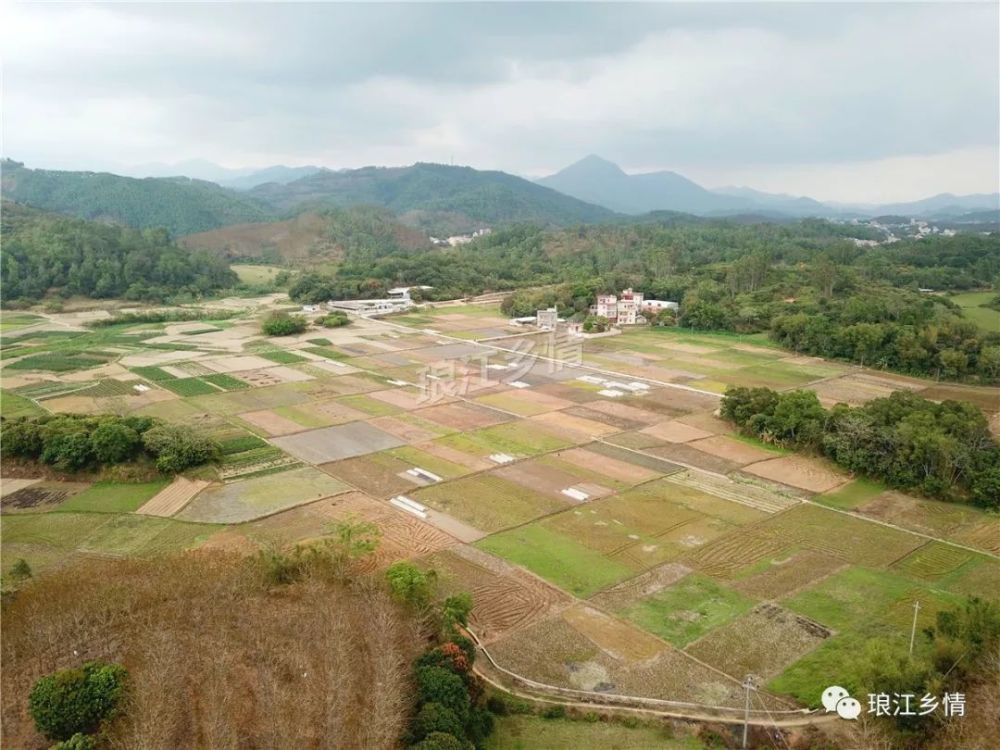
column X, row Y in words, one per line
column 77, row 742
column 554, row 712
column 439, row 685
column 433, row 717
column 76, row 701
column 283, row 324
column 335, row 319
column 177, row 447
column 20, row 570
column 496, row 705
column 440, row 741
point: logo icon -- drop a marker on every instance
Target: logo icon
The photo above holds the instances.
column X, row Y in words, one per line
column 836, row 698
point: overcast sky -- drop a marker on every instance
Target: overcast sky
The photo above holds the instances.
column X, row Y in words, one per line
column 873, row 102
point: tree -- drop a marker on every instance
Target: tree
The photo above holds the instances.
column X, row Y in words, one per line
column 410, row 584
column 440, row 685
column 283, row 324
column 596, row 324
column 114, row 443
column 433, row 717
column 77, row 700
column 456, row 609
column 986, row 489
column 178, row 447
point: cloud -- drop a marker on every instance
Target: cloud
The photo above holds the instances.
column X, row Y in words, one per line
column 723, row 91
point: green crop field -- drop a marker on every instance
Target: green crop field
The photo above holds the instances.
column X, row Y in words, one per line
column 687, row 610
column 283, row 357
column 851, row 495
column 556, row 557
column 189, row 386
column 845, row 598
column 65, row 361
column 12, row 406
column 225, row 382
column 113, row 497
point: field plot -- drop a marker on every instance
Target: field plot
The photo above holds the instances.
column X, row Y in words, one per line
column 504, row 597
column 851, row 495
column 40, row 495
column 334, row 443
column 251, row 498
column 674, row 431
column 542, row 476
column 611, row 468
column 113, row 497
column 553, row 651
column 779, row 577
column 736, row 451
column 401, row 535
column 529, row 732
column 762, row 642
column 846, row 597
column 687, row 609
column 803, row 472
column 172, row 498
column 488, row 502
column 142, row 536
column 253, row 399
column 462, row 416
column 518, row 439
column 377, row 474
column 962, row 523
column 409, row 428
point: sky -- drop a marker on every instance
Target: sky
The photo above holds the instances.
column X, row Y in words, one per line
column 873, row 102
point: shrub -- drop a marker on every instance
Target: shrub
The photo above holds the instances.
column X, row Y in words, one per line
column 467, row 646
column 456, row 609
column 554, row 712
column 334, row 320
column 20, row 570
column 23, row 438
column 495, row 704
column 448, row 655
column 433, row 717
column 283, row 324
column 440, row 741
column 439, row 685
column 176, row 447
column 77, row 742
column 76, row 700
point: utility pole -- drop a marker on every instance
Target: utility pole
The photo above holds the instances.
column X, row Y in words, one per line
column 913, row 630
column 748, row 685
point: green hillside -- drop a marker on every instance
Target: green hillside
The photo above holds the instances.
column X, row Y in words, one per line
column 45, row 253
column 179, row 204
column 487, row 197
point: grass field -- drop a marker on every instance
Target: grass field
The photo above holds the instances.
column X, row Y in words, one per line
column 687, row 610
column 189, row 386
column 113, row 497
column 851, row 495
column 486, row 502
column 12, row 406
column 59, row 361
column 557, row 558
column 534, row 733
column 973, row 308
column 256, row 274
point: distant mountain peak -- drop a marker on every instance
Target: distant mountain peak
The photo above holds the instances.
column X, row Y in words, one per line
column 595, row 166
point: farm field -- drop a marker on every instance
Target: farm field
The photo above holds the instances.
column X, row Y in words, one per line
column 974, row 308
column 614, row 533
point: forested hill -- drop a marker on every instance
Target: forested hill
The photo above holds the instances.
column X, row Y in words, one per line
column 179, row 204
column 491, row 198
column 47, row 253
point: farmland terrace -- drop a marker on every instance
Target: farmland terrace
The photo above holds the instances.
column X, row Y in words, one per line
column 616, row 536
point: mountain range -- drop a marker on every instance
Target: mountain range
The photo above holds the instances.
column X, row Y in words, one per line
column 602, row 182
column 436, row 198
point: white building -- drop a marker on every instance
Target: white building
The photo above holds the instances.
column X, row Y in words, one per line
column 623, row 310
column 658, row 305
column 547, row 318
column 403, row 292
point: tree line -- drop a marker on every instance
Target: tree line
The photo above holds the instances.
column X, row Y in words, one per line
column 943, row 450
